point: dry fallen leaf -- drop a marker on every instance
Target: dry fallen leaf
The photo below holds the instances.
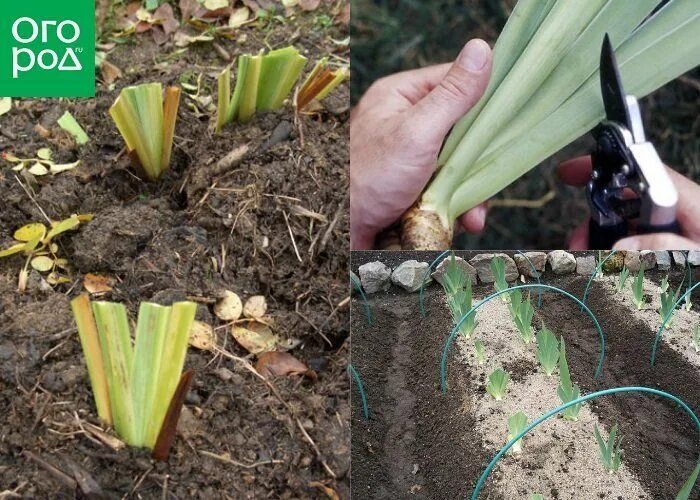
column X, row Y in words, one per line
column 229, row 307
column 97, row 283
column 110, row 72
column 282, row 364
column 255, row 337
column 309, row 4
column 202, row 336
column 255, row 307
column 330, row 492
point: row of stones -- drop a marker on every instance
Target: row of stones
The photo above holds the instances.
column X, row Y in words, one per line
column 377, row 276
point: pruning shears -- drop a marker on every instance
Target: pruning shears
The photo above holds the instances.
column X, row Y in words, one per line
column 629, row 181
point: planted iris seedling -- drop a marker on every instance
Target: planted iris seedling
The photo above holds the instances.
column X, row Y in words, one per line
column 536, row 496
column 263, row 83
column 668, row 301
column 547, row 351
column 664, row 284
column 321, row 81
column 516, row 425
column 479, row 351
column 622, row 279
column 146, row 121
column 458, row 287
column 638, row 288
column 498, row 382
column 567, row 390
column 522, row 313
column 610, row 453
column 498, row 268
column 696, row 338
column 139, row 390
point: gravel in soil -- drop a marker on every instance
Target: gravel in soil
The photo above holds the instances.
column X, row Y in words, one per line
column 275, row 225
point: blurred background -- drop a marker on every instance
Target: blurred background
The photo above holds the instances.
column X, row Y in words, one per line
column 394, row 35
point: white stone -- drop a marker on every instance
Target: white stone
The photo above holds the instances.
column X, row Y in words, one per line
column 459, row 262
column 561, row 262
column 632, row 260
column 409, row 275
column 482, row 264
column 663, row 260
column 694, row 257
column 375, row 277
column 586, row 265
column 538, row 259
column 678, row 258
column 648, row 258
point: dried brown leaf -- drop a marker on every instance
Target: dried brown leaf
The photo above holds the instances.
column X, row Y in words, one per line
column 202, row 336
column 98, row 283
column 255, row 307
column 255, row 337
column 282, row 364
column 229, row 307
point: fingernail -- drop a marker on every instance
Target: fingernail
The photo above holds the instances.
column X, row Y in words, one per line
column 475, row 55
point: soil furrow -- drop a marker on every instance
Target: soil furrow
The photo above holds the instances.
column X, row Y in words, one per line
column 663, row 448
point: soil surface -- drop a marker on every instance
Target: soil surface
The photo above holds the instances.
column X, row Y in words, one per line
column 444, row 443
column 275, row 225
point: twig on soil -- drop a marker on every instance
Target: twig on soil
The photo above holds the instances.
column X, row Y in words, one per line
column 40, row 414
column 12, row 493
column 291, row 234
column 57, row 473
column 26, row 190
column 341, row 304
column 138, row 483
column 317, row 329
column 292, row 412
column 331, row 227
column 228, row 460
column 53, row 349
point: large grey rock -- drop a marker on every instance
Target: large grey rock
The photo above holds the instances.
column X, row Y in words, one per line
column 459, row 262
column 538, row 259
column 694, row 258
column 585, row 265
column 663, row 260
column 632, row 260
column 375, row 277
column 678, row 258
column 409, row 275
column 561, row 262
column 648, row 258
column 482, row 264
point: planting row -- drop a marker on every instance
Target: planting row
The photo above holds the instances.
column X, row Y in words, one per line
column 550, row 353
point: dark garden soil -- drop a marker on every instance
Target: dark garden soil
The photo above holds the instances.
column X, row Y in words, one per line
column 420, row 443
column 199, row 231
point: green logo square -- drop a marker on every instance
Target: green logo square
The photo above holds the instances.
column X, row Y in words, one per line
column 47, row 48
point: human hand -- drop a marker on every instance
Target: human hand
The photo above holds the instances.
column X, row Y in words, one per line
column 577, row 172
column 396, row 132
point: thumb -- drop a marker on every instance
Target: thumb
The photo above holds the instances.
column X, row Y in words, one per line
column 457, row 93
column 657, row 241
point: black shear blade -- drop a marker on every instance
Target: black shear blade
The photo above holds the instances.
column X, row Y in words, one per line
column 611, row 86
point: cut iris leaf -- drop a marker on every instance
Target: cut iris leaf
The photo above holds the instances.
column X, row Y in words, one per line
column 68, row 123
column 320, row 82
column 263, row 82
column 134, row 386
column 147, row 124
column 279, row 72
